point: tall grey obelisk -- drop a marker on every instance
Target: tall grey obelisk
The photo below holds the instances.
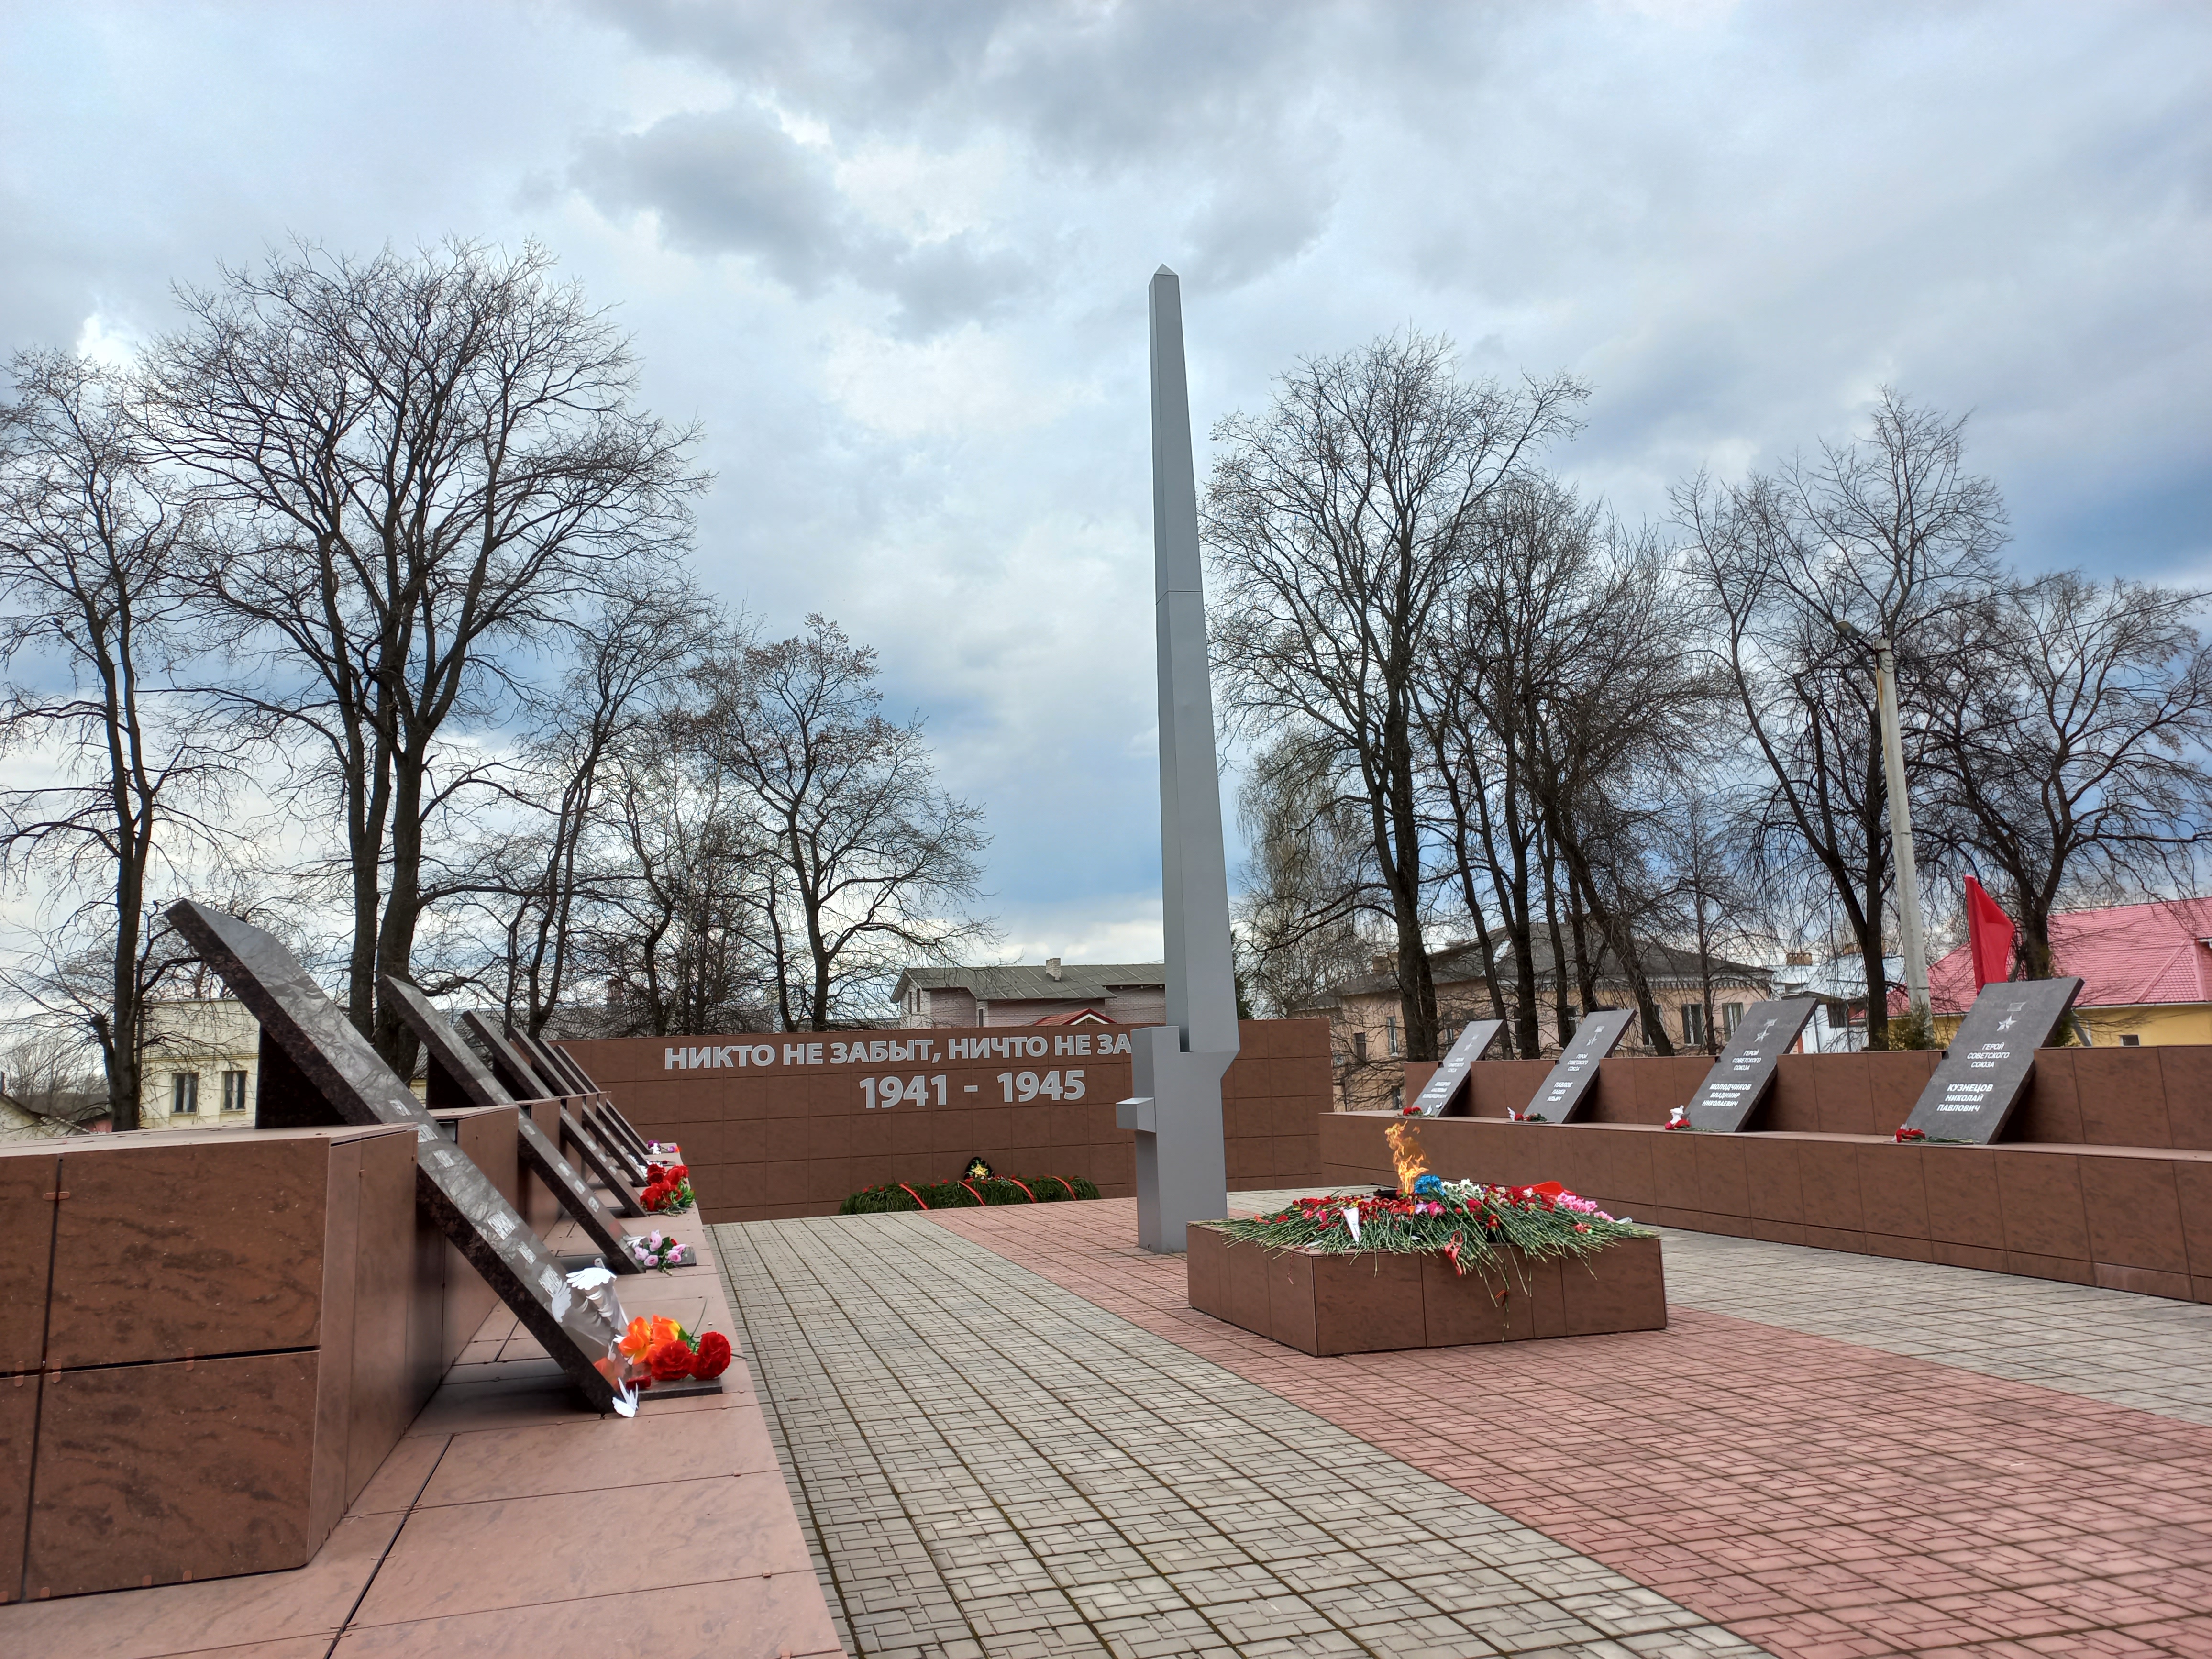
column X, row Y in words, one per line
column 1182, row 1173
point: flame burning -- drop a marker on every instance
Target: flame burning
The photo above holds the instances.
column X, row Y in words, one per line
column 1406, row 1152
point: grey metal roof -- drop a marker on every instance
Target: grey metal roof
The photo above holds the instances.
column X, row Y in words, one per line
column 1078, row 982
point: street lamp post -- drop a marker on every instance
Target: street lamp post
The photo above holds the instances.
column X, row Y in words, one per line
column 1911, row 934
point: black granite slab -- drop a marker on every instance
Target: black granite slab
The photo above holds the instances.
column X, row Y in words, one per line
column 1446, row 1092
column 1743, row 1075
column 560, row 1063
column 1986, row 1070
column 1566, row 1090
column 591, row 1112
column 458, row 1078
column 509, row 1065
column 329, row 1057
column 596, row 1158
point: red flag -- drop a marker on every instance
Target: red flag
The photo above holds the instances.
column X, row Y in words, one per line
column 1989, row 934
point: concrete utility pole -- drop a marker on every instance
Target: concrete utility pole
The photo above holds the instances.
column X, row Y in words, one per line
column 1911, row 932
column 1913, row 936
column 1182, row 1173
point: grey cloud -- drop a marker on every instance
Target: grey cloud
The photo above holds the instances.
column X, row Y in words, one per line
column 1226, row 101
column 731, row 182
column 734, row 182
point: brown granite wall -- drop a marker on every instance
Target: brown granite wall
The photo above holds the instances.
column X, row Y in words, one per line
column 204, row 1341
column 794, row 1134
column 2130, row 1219
column 2156, row 1098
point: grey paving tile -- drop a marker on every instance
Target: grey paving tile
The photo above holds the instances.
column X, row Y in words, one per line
column 990, row 1466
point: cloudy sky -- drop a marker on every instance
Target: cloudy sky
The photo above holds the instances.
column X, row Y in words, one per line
column 893, row 257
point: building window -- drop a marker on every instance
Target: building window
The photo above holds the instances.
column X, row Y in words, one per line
column 1731, row 1017
column 184, row 1094
column 1398, row 1098
column 1359, row 1047
column 2130, row 1041
column 1693, row 1024
column 233, row 1092
column 1390, row 1034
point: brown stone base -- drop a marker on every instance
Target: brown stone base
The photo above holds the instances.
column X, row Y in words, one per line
column 1374, row 1302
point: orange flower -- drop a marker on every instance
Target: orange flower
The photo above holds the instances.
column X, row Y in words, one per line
column 644, row 1335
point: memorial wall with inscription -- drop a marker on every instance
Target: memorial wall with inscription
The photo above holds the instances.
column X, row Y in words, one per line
column 789, row 1125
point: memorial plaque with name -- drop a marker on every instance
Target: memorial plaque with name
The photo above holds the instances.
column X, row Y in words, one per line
column 559, row 1061
column 1446, row 1091
column 454, row 1062
column 1575, row 1075
column 614, row 1128
column 593, row 1109
column 621, row 1126
column 337, row 1062
column 508, row 1064
column 1984, row 1072
column 1743, row 1075
column 597, row 1159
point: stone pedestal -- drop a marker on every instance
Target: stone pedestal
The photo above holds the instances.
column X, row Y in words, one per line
column 206, row 1337
column 1374, row 1302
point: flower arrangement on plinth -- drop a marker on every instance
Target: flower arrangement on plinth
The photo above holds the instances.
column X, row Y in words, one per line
column 658, row 1250
column 661, row 1350
column 665, row 1149
column 1905, row 1132
column 1469, row 1225
column 965, row 1193
column 667, row 1188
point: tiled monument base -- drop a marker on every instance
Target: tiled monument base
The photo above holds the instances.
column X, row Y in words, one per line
column 1374, row 1302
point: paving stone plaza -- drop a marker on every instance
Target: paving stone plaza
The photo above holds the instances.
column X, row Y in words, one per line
column 1007, row 1434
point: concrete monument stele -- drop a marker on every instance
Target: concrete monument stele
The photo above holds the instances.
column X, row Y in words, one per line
column 1182, row 1167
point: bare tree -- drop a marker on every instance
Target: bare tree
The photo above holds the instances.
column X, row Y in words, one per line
column 1337, row 524
column 91, row 535
column 2066, row 723
column 1559, row 708
column 676, row 939
column 1717, row 907
column 868, row 865
column 642, row 643
column 1889, row 533
column 1305, row 918
column 417, row 466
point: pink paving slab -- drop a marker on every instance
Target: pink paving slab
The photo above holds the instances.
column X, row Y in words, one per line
column 507, row 1519
column 1817, row 1497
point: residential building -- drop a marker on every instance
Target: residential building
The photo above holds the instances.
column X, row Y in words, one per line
column 1839, row 1022
column 202, row 1057
column 1364, row 1013
column 51, row 1115
column 2146, row 973
column 1124, row 992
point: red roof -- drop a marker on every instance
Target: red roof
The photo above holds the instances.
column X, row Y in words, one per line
column 2125, row 956
column 1074, row 1017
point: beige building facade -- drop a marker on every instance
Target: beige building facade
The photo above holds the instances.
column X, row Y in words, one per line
column 1124, row 993
column 202, row 1058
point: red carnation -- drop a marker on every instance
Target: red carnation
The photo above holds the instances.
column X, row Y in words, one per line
column 653, row 1196
column 712, row 1357
column 670, row 1362
column 655, row 1171
column 677, row 1172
